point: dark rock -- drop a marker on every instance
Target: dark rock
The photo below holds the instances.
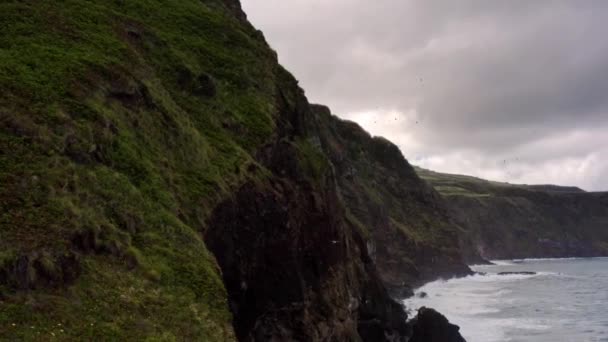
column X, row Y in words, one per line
column 205, row 86
column 293, row 266
column 422, row 294
column 130, row 93
column 202, row 85
column 431, row 326
column 402, row 292
column 235, row 7
column 275, row 264
column 36, row 270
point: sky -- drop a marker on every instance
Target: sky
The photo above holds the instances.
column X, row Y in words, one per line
column 513, row 91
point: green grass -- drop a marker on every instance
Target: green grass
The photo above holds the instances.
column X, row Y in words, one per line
column 312, row 160
column 453, row 190
column 460, row 185
column 101, row 136
column 133, row 307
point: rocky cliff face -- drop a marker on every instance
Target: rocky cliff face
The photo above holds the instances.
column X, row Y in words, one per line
column 410, row 235
column 163, row 178
column 295, row 268
column 431, row 326
column 505, row 221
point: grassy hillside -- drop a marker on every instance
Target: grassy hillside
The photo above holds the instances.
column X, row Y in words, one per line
column 504, row 220
column 461, row 185
column 122, row 123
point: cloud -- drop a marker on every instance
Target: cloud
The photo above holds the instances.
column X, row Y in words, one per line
column 471, row 83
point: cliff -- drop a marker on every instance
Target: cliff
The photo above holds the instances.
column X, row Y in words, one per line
column 410, row 235
column 508, row 221
column 162, row 177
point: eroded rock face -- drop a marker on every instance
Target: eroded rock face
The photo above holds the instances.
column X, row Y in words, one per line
column 508, row 221
column 293, row 270
column 237, row 10
column 299, row 251
column 294, row 267
column 431, row 326
column 410, row 233
column 511, row 221
column 36, row 270
column 275, row 248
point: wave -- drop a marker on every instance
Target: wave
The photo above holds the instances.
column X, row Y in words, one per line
column 482, row 286
column 510, row 262
column 501, row 263
column 554, row 259
column 495, row 277
column 563, row 301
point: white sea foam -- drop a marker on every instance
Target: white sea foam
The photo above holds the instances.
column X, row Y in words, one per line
column 501, row 262
column 561, row 302
column 519, row 261
column 552, row 259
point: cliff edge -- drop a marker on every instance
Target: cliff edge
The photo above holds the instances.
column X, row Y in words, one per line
column 162, row 177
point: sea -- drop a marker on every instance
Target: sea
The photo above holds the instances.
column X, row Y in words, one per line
column 565, row 300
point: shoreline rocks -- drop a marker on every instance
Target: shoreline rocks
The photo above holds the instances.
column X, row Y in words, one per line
column 431, row 326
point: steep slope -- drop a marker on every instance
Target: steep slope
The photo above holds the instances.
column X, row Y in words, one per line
column 410, row 235
column 294, row 267
column 161, row 178
column 524, row 221
column 113, row 155
column 124, row 124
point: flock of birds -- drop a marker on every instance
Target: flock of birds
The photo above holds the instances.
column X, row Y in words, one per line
column 505, row 163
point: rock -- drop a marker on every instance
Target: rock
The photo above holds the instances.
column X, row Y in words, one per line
column 422, row 294
column 237, row 10
column 431, row 326
column 403, row 291
column 40, row 269
column 308, row 272
column 202, row 85
column 205, row 86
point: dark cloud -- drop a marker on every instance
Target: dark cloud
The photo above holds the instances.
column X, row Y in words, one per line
column 460, row 86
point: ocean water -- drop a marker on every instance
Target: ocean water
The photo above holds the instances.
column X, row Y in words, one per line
column 567, row 300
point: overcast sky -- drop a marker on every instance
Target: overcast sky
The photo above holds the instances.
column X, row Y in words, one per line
column 512, row 90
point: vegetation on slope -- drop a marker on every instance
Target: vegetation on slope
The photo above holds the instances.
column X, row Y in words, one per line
column 410, row 235
column 122, row 124
column 502, row 220
column 130, row 131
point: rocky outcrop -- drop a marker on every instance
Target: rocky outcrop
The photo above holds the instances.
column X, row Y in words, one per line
column 294, row 271
column 431, row 326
